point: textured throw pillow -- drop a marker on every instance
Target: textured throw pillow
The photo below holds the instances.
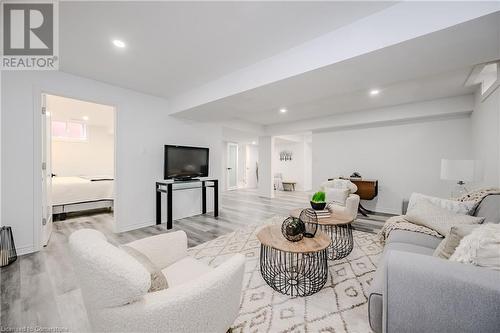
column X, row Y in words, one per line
column 448, row 245
column 481, row 247
column 337, row 196
column 158, row 279
column 459, row 207
column 436, row 218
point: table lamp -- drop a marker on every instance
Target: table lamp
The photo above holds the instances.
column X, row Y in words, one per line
column 461, row 171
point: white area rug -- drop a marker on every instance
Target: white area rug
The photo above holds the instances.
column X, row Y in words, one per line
column 341, row 306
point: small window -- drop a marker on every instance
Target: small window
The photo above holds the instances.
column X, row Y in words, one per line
column 69, row 130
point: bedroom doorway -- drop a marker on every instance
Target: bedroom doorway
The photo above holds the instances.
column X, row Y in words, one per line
column 78, row 161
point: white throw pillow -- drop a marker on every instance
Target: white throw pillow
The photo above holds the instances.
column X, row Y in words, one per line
column 459, row 207
column 340, row 184
column 337, row 196
column 436, row 218
column 481, row 247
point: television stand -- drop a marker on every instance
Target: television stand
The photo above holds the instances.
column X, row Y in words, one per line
column 168, row 187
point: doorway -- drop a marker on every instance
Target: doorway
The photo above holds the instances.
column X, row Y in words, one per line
column 232, row 166
column 78, row 161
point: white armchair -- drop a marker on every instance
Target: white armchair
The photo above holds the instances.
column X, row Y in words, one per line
column 115, row 286
column 349, row 211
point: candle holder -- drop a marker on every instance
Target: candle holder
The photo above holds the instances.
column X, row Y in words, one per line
column 7, row 248
column 310, row 219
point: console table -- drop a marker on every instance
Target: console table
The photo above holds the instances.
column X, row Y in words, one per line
column 168, row 187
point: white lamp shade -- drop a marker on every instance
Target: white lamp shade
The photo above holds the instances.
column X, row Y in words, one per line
column 459, row 170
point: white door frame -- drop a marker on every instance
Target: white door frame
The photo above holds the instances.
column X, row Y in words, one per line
column 46, row 171
column 229, row 144
column 37, row 155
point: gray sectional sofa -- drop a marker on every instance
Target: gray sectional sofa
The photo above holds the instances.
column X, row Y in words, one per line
column 412, row 291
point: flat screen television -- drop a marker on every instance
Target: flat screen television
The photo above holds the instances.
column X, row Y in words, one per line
column 184, row 163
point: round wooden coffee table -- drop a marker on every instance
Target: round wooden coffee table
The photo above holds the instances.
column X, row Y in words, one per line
column 340, row 232
column 293, row 268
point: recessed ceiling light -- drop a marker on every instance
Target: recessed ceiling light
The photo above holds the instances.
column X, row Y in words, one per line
column 374, row 92
column 254, row 142
column 283, row 110
column 85, row 118
column 118, row 43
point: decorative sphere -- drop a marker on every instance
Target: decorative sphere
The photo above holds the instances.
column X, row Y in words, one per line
column 293, row 229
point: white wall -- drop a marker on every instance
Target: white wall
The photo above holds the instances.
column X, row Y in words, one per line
column 142, row 128
column 405, row 158
column 299, row 168
column 485, row 135
column 92, row 157
column 266, row 167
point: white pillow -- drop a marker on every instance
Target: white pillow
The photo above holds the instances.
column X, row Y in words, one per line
column 340, row 184
column 459, row 207
column 436, row 218
column 337, row 196
column 481, row 247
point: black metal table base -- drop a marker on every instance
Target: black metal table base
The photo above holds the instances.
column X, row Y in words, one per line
column 291, row 273
column 342, row 240
column 363, row 211
column 168, row 188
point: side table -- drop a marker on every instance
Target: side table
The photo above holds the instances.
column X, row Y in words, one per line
column 340, row 232
column 293, row 268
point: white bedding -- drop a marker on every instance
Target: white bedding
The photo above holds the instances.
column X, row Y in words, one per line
column 70, row 190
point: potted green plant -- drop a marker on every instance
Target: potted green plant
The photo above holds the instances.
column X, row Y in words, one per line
column 318, row 200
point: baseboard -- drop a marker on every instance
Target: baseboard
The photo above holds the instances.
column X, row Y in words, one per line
column 383, row 209
column 134, row 226
column 388, row 211
column 25, row 250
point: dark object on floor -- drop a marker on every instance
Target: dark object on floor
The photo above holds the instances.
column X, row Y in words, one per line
column 310, row 220
column 8, row 252
column 293, row 229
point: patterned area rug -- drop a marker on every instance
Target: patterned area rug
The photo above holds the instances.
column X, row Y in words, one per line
column 341, row 306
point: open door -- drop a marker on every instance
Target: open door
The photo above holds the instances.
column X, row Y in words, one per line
column 46, row 169
column 232, row 166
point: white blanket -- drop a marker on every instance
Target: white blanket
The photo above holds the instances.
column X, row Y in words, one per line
column 70, row 190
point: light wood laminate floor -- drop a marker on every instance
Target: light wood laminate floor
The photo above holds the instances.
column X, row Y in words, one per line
column 41, row 290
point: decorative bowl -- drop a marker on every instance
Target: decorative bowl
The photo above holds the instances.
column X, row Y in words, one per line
column 318, row 205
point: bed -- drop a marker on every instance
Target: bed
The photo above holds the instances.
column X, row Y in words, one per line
column 72, row 194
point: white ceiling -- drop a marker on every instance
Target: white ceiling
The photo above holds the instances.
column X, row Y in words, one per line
column 429, row 67
column 65, row 109
column 176, row 46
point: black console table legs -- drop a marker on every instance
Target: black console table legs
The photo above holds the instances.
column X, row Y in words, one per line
column 160, row 188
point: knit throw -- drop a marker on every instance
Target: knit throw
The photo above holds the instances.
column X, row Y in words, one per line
column 400, row 223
